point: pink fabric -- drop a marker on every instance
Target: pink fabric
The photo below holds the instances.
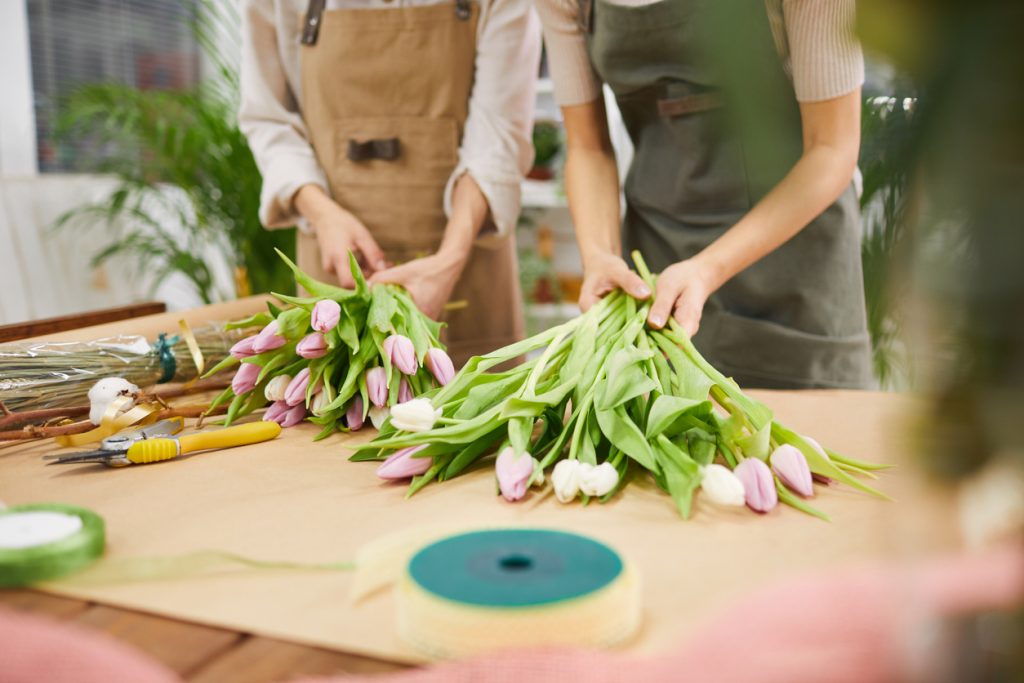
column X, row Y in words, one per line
column 34, row 650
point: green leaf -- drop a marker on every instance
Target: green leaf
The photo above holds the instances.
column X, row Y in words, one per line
column 690, row 381
column 471, row 452
column 255, row 320
column 293, row 323
column 271, row 365
column 489, row 392
column 682, row 475
column 224, row 364
column 626, row 436
column 625, row 378
column 667, row 411
column 757, row 445
column 382, row 310
column 317, row 289
column 701, row 445
column 520, row 429
column 302, row 302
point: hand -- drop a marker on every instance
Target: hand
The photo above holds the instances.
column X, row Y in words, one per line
column 338, row 232
column 429, row 280
column 683, row 288
column 605, row 272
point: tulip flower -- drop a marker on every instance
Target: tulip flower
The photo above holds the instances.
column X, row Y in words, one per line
column 354, row 415
column 326, row 314
column 319, row 403
column 403, row 464
column 440, row 365
column 513, row 471
column 296, row 391
column 244, row 380
column 284, row 414
column 377, row 386
column 721, row 486
column 599, row 480
column 275, row 412
column 244, row 348
column 402, row 353
column 405, row 392
column 417, row 415
column 275, row 390
column 565, row 479
column 268, row 339
column 790, row 466
column 758, row 485
column 820, row 478
column 313, row 345
column 378, row 416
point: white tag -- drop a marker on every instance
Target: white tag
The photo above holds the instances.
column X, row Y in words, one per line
column 35, row 528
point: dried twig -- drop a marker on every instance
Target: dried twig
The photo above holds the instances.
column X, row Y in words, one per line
column 35, row 432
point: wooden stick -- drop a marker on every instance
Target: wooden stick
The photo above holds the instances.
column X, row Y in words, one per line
column 34, row 432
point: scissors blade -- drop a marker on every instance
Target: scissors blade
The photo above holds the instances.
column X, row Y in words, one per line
column 90, row 456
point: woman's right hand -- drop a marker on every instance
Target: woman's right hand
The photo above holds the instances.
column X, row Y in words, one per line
column 338, row 232
column 604, row 272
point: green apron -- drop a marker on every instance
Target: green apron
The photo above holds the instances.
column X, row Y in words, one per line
column 796, row 318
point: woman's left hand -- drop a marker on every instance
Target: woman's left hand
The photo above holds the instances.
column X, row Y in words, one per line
column 429, row 280
column 682, row 290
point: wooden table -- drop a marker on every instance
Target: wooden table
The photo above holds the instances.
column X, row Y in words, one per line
column 199, row 654
column 206, row 653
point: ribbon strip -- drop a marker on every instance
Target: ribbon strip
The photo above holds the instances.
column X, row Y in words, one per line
column 113, row 422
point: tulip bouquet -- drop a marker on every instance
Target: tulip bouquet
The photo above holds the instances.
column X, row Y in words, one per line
column 604, row 399
column 335, row 358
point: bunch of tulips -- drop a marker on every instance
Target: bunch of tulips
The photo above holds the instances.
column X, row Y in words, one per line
column 337, row 358
column 604, row 399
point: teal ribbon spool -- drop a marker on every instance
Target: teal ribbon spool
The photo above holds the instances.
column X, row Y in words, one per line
column 514, row 567
column 52, row 560
column 505, row 588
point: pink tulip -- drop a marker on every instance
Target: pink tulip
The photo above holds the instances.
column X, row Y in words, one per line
column 275, row 411
column 440, row 365
column 758, row 485
column 244, row 380
column 790, row 466
column 292, row 416
column 402, row 465
column 513, row 471
column 405, row 392
column 312, row 346
column 377, row 386
column 244, row 348
column 354, row 415
column 402, row 353
column 326, row 314
column 268, row 339
column 296, row 391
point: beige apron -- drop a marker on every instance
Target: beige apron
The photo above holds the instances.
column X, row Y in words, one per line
column 385, row 95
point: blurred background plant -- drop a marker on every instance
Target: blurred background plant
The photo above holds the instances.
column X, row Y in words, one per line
column 887, row 139
column 186, row 191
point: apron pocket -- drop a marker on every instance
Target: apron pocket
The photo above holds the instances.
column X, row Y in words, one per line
column 427, row 152
column 765, row 354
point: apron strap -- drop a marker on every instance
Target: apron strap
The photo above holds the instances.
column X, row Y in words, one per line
column 311, row 27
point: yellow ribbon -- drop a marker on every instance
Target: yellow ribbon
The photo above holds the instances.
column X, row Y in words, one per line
column 193, row 347
column 113, row 421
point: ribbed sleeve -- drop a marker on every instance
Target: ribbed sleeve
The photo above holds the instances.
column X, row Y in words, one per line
column 825, row 58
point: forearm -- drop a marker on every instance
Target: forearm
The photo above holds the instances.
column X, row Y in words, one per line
column 592, row 187
column 813, row 183
column 468, row 215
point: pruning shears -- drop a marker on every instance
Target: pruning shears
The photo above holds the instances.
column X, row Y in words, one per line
column 159, row 441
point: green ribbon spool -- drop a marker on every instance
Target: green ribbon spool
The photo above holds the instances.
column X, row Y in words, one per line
column 514, row 567
column 22, row 566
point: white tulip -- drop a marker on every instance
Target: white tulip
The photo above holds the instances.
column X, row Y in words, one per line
column 721, row 486
column 320, row 401
column 378, row 416
column 276, row 387
column 417, row 415
column 597, row 481
column 105, row 391
column 565, row 479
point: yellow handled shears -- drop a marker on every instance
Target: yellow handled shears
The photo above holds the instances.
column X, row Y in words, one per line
column 158, row 443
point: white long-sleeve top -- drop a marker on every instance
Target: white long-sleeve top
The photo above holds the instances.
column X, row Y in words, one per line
column 496, row 148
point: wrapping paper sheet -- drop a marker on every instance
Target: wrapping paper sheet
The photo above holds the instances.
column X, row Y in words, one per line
column 298, row 500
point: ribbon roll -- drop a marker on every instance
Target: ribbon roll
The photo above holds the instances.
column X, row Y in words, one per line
column 45, row 541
